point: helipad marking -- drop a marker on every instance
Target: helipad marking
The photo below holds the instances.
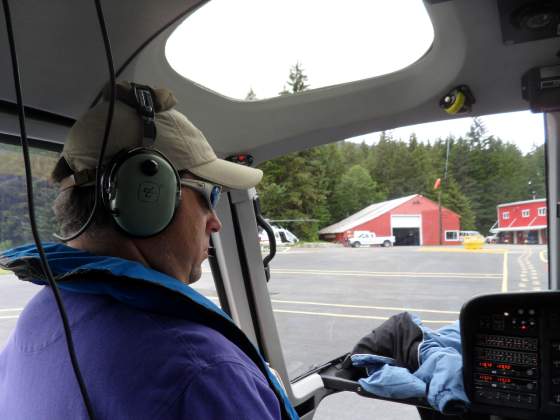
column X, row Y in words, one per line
column 380, row 273
column 385, row 272
column 390, row 274
column 381, row 318
column 505, row 273
column 471, row 251
column 342, row 305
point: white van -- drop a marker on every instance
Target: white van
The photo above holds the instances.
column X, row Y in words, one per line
column 468, row 233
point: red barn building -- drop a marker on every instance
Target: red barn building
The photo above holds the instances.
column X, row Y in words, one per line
column 522, row 222
column 413, row 220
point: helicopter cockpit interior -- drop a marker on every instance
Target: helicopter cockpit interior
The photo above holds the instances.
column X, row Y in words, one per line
column 486, row 57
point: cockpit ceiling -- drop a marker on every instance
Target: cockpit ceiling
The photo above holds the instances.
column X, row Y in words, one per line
column 60, row 47
column 61, row 54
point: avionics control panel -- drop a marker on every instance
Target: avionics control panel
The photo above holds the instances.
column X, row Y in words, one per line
column 511, row 354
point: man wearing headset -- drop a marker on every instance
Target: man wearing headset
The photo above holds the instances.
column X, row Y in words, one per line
column 149, row 346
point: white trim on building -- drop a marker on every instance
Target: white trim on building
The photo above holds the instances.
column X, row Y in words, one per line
column 454, row 238
column 520, row 228
column 521, row 202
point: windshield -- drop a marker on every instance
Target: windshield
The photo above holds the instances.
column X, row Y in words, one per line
column 399, row 224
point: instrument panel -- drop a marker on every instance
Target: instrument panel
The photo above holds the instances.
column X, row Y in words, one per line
column 511, row 354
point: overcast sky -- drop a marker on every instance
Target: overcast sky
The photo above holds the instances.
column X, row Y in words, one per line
column 232, row 47
column 524, row 129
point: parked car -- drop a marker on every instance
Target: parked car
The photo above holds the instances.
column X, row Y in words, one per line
column 364, row 237
column 491, row 239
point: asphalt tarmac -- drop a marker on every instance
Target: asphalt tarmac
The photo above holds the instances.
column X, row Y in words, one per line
column 326, row 299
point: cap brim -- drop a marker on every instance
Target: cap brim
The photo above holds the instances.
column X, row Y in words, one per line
column 228, row 174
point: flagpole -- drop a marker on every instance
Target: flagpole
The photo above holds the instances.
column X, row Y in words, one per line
column 439, row 214
column 440, row 189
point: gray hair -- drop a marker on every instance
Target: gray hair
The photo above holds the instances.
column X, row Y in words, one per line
column 73, row 206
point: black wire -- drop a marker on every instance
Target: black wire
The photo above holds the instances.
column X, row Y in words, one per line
column 108, row 122
column 31, row 206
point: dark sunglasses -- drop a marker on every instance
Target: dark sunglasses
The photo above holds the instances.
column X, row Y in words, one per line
column 210, row 192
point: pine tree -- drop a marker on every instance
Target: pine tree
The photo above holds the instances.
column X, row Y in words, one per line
column 389, row 168
column 355, row 191
column 536, row 171
column 453, row 199
column 296, row 186
column 297, row 80
column 251, row 96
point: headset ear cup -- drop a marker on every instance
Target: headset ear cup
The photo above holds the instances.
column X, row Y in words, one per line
column 141, row 190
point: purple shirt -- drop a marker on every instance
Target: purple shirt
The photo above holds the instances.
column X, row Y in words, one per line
column 136, row 365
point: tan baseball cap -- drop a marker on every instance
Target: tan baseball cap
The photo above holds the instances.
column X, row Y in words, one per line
column 177, row 138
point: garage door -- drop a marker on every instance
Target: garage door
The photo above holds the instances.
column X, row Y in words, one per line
column 406, row 229
column 405, row 222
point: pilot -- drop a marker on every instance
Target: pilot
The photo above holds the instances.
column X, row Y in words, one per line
column 148, row 345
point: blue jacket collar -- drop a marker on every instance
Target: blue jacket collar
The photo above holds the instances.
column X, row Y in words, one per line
column 137, row 286
column 68, row 264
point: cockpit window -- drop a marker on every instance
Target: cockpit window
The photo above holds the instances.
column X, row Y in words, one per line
column 14, row 220
column 245, row 49
column 399, row 224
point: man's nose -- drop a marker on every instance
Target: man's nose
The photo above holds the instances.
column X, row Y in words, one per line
column 214, row 225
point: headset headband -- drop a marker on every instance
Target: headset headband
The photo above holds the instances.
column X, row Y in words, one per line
column 142, row 99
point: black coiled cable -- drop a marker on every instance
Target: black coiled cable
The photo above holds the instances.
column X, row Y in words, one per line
column 31, row 206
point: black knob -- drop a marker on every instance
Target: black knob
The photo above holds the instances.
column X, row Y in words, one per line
column 149, row 167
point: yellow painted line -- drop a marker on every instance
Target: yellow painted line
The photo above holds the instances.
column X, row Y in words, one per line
column 381, row 318
column 505, row 273
column 386, row 308
column 471, row 251
column 392, row 274
column 542, row 256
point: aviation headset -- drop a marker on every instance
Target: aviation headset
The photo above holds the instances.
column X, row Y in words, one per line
column 140, row 188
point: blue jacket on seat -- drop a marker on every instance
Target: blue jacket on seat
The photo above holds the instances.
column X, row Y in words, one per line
column 439, row 377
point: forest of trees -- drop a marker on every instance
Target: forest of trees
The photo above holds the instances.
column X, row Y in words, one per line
column 14, row 220
column 323, row 185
